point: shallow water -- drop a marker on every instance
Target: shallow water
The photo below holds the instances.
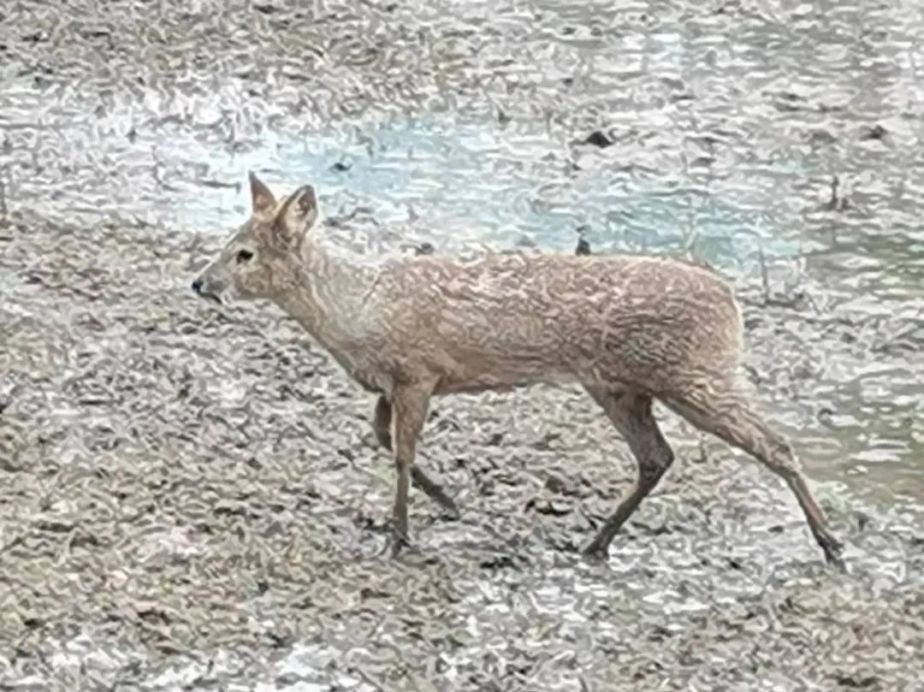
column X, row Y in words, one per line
column 469, row 180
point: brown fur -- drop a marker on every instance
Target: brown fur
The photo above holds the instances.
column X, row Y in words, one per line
column 629, row 329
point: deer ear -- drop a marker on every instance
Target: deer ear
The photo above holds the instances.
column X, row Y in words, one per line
column 298, row 214
column 260, row 196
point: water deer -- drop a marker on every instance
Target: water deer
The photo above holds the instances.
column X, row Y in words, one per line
column 628, row 329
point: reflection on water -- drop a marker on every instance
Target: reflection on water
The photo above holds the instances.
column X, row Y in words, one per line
column 483, row 183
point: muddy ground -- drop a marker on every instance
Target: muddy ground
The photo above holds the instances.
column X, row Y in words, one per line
column 191, row 498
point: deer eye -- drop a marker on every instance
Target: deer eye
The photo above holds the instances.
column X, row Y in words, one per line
column 244, row 256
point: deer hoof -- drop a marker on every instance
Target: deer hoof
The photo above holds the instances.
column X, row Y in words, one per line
column 595, row 553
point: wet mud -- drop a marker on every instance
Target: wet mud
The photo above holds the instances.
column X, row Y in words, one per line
column 192, row 498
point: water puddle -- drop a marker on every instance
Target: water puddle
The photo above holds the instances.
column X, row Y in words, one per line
column 466, row 181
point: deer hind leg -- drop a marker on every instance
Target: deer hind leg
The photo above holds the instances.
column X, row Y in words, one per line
column 727, row 412
column 381, row 425
column 630, row 412
column 381, row 422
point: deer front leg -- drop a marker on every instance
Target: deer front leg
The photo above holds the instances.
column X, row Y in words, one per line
column 410, row 403
column 382, row 426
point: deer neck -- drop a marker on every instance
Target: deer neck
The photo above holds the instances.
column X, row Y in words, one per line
column 327, row 293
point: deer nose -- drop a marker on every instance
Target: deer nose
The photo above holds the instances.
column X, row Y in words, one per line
column 197, row 285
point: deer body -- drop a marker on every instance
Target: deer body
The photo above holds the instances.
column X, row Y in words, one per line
column 505, row 321
column 628, row 329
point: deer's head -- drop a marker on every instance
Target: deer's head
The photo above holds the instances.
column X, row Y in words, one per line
column 261, row 258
